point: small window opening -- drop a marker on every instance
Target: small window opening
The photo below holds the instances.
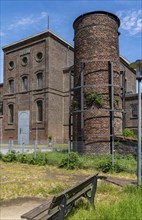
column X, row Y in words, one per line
column 39, row 111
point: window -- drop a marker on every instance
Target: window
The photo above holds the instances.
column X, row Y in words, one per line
column 24, row 61
column 39, row 80
column 11, row 65
column 1, row 108
column 25, row 83
column 11, row 86
column 39, row 111
column 134, row 110
column 10, row 114
column 39, row 56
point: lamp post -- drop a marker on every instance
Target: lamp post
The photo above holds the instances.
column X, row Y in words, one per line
column 138, row 66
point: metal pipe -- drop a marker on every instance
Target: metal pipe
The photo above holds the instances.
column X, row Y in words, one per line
column 112, row 113
column 139, row 134
column 82, row 107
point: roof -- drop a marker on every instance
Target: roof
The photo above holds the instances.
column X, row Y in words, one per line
column 97, row 12
column 36, row 36
column 127, row 64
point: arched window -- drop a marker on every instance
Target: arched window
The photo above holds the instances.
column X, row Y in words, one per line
column 11, row 86
column 40, row 80
column 39, row 110
column 1, row 108
column 11, row 114
column 25, row 83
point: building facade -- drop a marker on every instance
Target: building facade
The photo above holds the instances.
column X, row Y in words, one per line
column 40, row 73
column 35, row 90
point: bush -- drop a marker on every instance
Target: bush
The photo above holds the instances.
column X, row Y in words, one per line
column 10, row 157
column 41, row 158
column 105, row 166
column 23, row 158
column 71, row 163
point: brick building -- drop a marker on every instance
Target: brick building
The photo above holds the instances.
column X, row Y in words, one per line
column 35, row 90
column 35, row 95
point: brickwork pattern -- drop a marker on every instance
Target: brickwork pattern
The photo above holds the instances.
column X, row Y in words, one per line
column 96, row 43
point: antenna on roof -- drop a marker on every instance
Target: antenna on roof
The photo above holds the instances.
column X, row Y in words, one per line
column 48, row 22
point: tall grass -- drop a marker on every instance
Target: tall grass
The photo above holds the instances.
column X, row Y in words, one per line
column 126, row 206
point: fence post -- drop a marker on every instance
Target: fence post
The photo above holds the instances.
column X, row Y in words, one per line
column 12, row 145
column 9, row 146
column 23, row 146
column 68, row 153
column 35, row 147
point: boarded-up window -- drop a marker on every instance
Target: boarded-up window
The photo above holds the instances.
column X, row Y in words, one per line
column 39, row 110
column 10, row 114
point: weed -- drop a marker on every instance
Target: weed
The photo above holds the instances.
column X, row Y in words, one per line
column 94, row 97
column 129, row 133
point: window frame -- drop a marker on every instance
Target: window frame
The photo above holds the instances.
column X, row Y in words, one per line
column 11, row 87
column 39, row 111
column 134, row 109
column 11, row 114
column 39, row 80
column 25, row 87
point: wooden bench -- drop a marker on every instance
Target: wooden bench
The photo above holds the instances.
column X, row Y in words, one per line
column 61, row 204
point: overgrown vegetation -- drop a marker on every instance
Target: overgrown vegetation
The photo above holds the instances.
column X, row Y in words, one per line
column 94, row 98
column 101, row 163
column 129, row 133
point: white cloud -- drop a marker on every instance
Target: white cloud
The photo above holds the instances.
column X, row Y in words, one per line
column 131, row 21
column 27, row 21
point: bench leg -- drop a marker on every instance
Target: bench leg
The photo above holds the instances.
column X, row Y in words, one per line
column 93, row 192
column 62, row 208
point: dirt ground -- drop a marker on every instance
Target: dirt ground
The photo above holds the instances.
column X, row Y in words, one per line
column 14, row 208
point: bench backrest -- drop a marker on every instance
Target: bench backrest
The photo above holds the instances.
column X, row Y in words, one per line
column 69, row 196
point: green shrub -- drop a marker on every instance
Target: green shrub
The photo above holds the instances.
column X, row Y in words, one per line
column 10, row 156
column 41, row 158
column 23, row 158
column 72, row 162
column 129, row 133
column 1, row 155
column 105, row 166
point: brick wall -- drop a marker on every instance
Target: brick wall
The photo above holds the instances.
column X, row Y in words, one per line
column 52, row 93
column 96, row 43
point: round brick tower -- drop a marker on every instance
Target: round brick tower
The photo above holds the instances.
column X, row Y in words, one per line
column 97, row 114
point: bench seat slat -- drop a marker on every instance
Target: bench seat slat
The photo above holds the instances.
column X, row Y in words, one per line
column 39, row 209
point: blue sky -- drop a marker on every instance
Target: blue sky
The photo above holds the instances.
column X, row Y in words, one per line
column 21, row 19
